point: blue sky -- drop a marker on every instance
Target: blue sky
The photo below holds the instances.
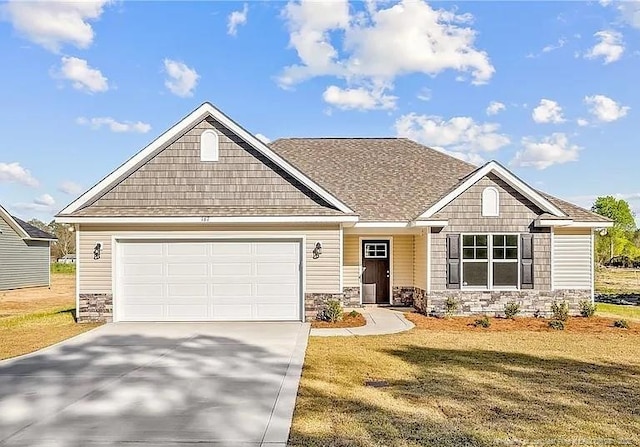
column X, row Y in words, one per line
column 546, row 88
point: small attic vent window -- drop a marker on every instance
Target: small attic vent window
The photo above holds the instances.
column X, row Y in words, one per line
column 209, row 146
column 490, row 202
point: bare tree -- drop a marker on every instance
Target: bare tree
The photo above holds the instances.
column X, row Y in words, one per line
column 66, row 243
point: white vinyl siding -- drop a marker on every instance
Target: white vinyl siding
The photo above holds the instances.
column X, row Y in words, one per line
column 322, row 275
column 572, row 259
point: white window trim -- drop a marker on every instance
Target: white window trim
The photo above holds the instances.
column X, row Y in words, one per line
column 376, row 249
column 216, row 153
column 490, row 261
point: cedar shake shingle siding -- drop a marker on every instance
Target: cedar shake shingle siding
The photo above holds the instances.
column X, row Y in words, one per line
column 175, row 182
column 516, row 215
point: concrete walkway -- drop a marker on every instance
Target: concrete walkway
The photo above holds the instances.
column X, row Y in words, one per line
column 380, row 321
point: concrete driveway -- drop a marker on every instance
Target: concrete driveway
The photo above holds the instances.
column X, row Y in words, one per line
column 156, row 384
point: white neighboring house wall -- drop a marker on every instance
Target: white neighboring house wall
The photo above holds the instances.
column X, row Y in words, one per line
column 572, row 259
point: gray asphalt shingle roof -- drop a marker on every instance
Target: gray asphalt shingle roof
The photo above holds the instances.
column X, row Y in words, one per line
column 32, row 231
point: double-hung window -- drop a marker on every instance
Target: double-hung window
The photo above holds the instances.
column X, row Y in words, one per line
column 489, row 261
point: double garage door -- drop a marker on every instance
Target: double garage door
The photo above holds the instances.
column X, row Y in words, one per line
column 208, row 281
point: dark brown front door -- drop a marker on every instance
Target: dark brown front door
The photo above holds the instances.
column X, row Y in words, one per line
column 375, row 278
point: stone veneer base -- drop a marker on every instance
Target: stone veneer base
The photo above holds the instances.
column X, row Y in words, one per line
column 492, row 302
column 95, row 307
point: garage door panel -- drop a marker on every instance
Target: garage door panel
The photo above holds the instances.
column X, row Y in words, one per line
column 208, row 280
column 189, row 249
column 187, row 269
column 231, row 269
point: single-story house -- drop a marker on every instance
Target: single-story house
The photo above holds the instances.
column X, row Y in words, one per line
column 24, row 253
column 67, row 259
column 209, row 223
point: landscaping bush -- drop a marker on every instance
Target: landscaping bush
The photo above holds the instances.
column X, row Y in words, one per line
column 622, row 324
column 332, row 311
column 560, row 311
column 511, row 310
column 587, row 308
column 482, row 322
column 450, row 306
column 353, row 314
column 558, row 325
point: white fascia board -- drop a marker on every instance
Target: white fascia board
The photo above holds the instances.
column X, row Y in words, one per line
column 381, row 225
column 505, row 175
column 207, row 220
column 13, row 224
column 553, row 222
column 193, row 118
column 430, row 223
column 591, row 224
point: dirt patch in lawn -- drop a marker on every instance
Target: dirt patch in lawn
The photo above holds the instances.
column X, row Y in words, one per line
column 39, row 299
column 347, row 321
column 594, row 325
column 33, row 318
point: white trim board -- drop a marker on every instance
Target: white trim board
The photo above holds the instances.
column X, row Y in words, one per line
column 208, row 220
column 205, row 110
column 504, row 174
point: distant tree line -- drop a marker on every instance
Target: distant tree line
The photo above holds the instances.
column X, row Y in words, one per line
column 66, row 243
column 623, row 239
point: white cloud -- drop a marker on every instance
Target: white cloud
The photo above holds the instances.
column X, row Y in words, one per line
column 381, row 43
column 182, row 80
column 82, row 76
column 605, row 109
column 237, row 18
column 359, row 98
column 610, row 47
column 582, row 122
column 44, row 200
column 424, row 94
column 629, row 11
column 265, row 139
column 14, row 173
column 52, row 24
column 71, row 188
column 552, row 47
column 113, row 125
column 495, row 107
column 459, row 136
column 547, row 111
column 548, row 151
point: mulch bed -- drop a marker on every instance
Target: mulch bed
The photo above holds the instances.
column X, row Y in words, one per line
column 347, row 321
column 574, row 324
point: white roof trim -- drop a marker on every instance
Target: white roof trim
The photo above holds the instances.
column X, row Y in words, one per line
column 430, row 223
column 208, row 219
column 591, row 224
column 553, row 222
column 505, row 175
column 13, row 224
column 192, row 119
column 381, row 225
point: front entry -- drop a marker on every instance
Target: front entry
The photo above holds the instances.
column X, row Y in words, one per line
column 376, row 274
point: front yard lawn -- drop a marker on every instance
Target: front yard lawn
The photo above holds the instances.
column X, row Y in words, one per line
column 615, row 310
column 31, row 319
column 471, row 387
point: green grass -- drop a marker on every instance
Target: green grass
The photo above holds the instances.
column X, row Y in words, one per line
column 58, row 267
column 615, row 310
column 470, row 388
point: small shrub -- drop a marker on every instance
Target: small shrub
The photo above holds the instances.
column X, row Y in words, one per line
column 537, row 314
column 560, row 311
column 353, row 314
column 587, row 308
column 511, row 310
column 450, row 306
column 331, row 312
column 482, row 322
column 59, row 267
column 558, row 325
column 622, row 324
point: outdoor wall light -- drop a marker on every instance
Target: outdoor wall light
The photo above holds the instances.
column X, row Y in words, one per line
column 317, row 250
column 96, row 250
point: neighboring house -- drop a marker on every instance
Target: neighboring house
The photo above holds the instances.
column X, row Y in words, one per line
column 67, row 259
column 210, row 223
column 24, row 253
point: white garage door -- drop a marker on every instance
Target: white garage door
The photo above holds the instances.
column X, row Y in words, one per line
column 208, row 281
